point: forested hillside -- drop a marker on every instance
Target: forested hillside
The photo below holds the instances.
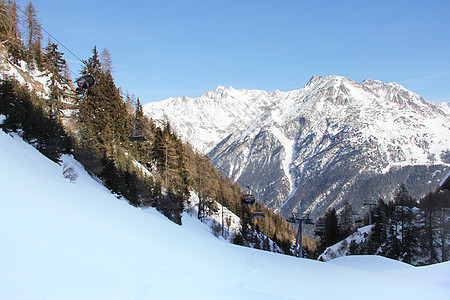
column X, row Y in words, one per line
column 95, row 127
column 401, row 228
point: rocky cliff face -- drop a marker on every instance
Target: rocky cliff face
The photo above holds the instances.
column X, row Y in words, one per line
column 331, row 141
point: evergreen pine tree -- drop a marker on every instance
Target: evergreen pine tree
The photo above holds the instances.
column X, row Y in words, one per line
column 25, row 111
column 33, row 35
column 107, row 65
column 435, row 228
column 404, row 216
column 332, row 232
column 55, row 66
column 346, row 219
column 9, row 29
column 102, row 113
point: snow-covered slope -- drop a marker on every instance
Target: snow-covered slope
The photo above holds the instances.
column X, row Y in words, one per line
column 343, row 247
column 75, row 240
column 324, row 143
column 34, row 79
column 38, row 82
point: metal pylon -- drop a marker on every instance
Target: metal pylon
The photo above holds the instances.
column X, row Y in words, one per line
column 300, row 218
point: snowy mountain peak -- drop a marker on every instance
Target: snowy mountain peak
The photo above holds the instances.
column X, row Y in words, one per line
column 221, row 88
column 221, row 92
column 320, row 143
column 328, row 81
column 369, row 81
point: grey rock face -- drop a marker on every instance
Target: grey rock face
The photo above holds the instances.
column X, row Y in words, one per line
column 331, row 141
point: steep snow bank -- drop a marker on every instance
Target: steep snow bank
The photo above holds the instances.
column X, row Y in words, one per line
column 342, row 248
column 64, row 240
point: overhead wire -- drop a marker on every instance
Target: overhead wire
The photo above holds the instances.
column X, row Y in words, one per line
column 56, row 40
column 53, row 37
column 236, row 180
column 119, row 89
column 68, row 49
column 241, row 183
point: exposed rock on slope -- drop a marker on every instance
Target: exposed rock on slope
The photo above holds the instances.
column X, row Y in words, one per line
column 331, row 141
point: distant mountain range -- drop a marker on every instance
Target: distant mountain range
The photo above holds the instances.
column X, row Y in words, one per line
column 333, row 140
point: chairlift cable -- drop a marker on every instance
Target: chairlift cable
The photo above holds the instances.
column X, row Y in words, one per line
column 54, row 38
column 236, row 180
column 59, row 43
column 65, row 47
column 141, row 137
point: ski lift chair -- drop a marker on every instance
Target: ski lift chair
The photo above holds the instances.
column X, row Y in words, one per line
column 320, row 227
column 319, row 230
column 137, row 136
column 258, row 214
column 84, row 83
column 247, row 199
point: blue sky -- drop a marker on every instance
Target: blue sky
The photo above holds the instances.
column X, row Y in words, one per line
column 167, row 48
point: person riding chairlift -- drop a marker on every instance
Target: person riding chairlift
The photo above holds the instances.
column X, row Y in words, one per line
column 82, row 86
column 84, row 83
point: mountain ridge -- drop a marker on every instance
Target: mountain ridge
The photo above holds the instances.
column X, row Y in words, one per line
column 277, row 142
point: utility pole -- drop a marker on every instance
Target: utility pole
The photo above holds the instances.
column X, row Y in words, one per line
column 299, row 218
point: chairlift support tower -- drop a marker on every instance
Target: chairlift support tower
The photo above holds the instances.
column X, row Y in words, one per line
column 300, row 218
column 370, row 204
